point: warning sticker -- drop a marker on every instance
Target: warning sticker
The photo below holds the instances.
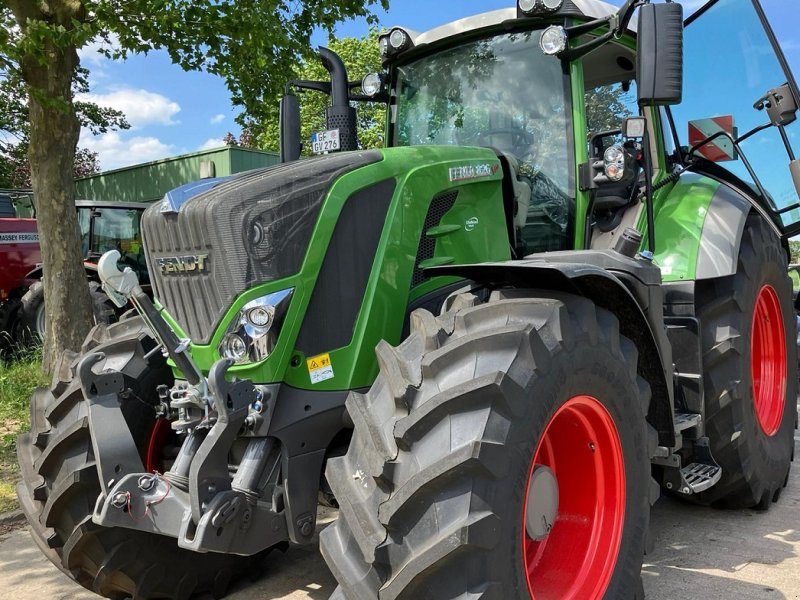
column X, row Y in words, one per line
column 320, row 368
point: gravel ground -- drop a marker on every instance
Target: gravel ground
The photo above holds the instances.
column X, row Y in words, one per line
column 699, row 553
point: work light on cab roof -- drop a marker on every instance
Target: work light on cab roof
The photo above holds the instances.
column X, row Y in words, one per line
column 533, row 7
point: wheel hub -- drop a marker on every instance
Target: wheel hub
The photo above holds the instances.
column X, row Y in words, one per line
column 574, row 510
column 542, row 506
column 768, row 360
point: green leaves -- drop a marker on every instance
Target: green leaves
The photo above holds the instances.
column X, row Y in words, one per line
column 360, row 56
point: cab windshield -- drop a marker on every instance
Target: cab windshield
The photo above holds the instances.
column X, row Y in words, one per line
column 502, row 92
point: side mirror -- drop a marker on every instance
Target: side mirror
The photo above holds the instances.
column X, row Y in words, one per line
column 290, row 128
column 659, row 61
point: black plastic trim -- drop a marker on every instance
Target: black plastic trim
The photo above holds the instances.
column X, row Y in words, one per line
column 342, row 280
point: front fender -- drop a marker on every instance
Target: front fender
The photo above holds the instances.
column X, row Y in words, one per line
column 629, row 289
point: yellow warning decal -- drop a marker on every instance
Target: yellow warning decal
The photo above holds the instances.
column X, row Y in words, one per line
column 320, row 368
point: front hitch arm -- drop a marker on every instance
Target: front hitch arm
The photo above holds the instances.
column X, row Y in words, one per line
column 122, row 286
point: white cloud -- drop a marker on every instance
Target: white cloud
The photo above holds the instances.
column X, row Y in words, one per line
column 211, row 143
column 217, row 119
column 139, row 106
column 91, row 52
column 116, row 152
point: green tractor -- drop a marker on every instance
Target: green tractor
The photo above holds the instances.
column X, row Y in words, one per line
column 491, row 344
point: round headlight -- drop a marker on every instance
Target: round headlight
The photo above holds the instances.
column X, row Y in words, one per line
column 613, row 154
column 398, row 39
column 552, row 5
column 233, row 347
column 371, row 84
column 554, row 40
column 261, row 316
column 527, row 6
column 383, row 45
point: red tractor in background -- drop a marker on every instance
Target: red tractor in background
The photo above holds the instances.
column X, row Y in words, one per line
column 19, row 255
column 104, row 226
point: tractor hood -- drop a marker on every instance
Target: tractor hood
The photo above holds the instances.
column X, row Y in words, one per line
column 251, row 229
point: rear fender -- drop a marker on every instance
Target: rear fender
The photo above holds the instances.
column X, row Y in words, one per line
column 699, row 229
column 638, row 311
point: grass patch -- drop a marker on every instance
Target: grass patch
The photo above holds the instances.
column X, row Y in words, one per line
column 17, row 380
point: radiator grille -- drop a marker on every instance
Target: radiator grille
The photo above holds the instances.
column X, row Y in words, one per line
column 252, row 229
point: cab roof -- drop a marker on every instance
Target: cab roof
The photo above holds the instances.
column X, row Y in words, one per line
column 591, row 9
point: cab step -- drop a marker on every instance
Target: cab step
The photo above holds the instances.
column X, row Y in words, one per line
column 699, row 477
column 695, row 477
column 683, row 421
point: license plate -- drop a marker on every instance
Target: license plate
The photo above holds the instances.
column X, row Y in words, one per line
column 325, row 141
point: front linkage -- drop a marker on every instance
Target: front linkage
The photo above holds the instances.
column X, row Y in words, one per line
column 196, row 501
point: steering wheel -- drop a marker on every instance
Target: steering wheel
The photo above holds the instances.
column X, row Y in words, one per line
column 521, row 140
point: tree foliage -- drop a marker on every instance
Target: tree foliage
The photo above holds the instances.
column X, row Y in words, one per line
column 360, row 56
column 15, row 170
column 252, row 44
column 606, row 107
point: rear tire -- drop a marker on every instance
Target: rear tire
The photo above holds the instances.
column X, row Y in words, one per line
column 751, row 428
column 60, row 482
column 433, row 489
column 9, row 326
column 32, row 313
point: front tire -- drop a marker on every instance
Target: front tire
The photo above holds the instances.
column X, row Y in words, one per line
column 60, row 482
column 434, row 487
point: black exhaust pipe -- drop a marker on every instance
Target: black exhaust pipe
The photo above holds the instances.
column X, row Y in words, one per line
column 290, row 127
column 339, row 115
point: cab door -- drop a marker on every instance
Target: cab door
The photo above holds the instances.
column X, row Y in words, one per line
column 731, row 61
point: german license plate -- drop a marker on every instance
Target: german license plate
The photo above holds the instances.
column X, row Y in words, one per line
column 325, row 141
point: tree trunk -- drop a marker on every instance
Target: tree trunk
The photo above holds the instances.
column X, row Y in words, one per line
column 54, row 136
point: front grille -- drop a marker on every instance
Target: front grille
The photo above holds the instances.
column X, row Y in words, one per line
column 253, row 228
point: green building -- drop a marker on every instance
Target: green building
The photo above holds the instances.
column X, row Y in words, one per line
column 148, row 182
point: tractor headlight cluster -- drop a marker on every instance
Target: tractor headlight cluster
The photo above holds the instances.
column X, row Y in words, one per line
column 253, row 334
column 396, row 41
column 539, row 7
column 614, row 163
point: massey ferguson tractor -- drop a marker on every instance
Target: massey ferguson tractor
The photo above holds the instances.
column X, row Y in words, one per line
column 103, row 226
column 492, row 344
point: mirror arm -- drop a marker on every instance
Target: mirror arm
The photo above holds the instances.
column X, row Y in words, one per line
column 579, row 51
column 742, row 156
column 786, row 142
column 304, row 84
column 616, row 23
column 625, row 14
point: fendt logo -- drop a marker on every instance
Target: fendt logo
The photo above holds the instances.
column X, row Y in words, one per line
column 192, row 263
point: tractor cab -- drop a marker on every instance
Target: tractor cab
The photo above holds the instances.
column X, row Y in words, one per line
column 549, row 86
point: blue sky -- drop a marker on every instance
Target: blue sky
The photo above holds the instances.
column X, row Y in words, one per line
column 174, row 112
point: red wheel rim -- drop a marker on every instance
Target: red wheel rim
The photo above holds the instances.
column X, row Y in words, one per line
column 155, row 448
column 768, row 360
column 576, row 560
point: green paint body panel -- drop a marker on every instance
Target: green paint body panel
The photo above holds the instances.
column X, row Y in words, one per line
column 472, row 231
column 680, row 215
column 149, row 182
